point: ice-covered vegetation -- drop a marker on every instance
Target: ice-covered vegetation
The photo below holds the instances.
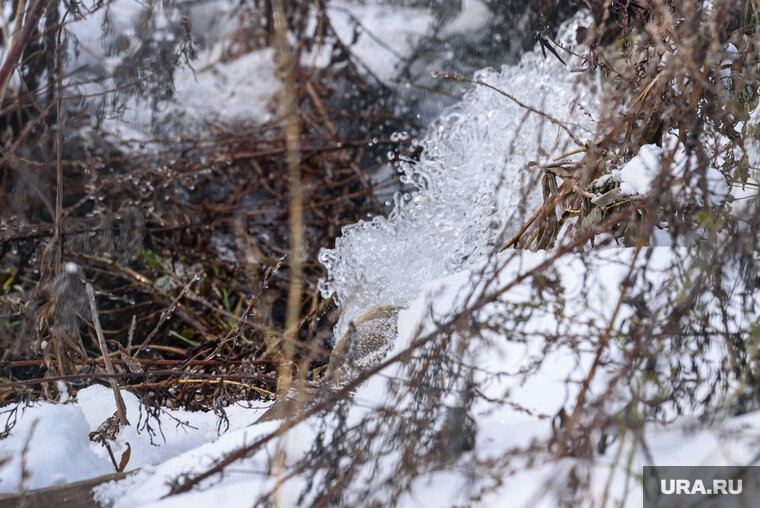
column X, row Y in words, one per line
column 472, row 188
column 562, row 288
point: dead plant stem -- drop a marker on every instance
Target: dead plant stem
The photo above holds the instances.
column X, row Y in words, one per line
column 121, row 409
column 295, row 221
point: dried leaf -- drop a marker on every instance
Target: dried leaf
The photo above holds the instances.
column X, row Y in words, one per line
column 107, row 430
column 608, row 198
column 125, row 458
column 132, row 364
column 594, row 217
column 545, row 44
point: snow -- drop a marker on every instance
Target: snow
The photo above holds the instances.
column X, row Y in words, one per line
column 380, row 35
column 207, row 90
column 500, row 427
column 434, row 256
column 50, row 445
column 474, row 16
column 61, row 452
column 753, row 129
column 212, row 90
column 149, row 485
column 639, row 173
column 228, row 92
column 638, row 176
column 118, row 16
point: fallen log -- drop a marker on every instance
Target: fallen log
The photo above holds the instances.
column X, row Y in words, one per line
column 71, row 495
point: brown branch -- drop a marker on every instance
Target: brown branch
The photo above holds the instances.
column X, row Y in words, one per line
column 129, row 375
column 525, row 226
column 295, row 215
column 115, row 361
column 19, row 44
column 121, row 409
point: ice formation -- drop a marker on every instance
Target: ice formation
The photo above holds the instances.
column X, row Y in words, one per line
column 473, row 187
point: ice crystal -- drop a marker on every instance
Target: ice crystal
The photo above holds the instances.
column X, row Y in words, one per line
column 473, row 185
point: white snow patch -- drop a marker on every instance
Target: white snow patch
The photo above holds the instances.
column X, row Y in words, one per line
column 385, row 34
column 234, row 91
column 474, row 16
column 637, row 175
column 231, row 92
column 753, row 147
column 60, row 450
column 50, row 444
column 211, row 92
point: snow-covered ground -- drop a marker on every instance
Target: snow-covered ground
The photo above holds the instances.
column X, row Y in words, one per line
column 434, row 258
column 56, row 449
column 214, row 88
column 208, row 87
column 59, row 450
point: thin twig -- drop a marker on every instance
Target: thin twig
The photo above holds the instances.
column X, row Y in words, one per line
column 19, row 44
column 206, row 381
column 131, row 334
column 165, row 315
column 116, row 361
column 525, row 226
column 600, row 348
column 129, row 375
column 514, row 99
column 120, row 407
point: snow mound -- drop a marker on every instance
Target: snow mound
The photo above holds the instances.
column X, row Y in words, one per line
column 753, row 147
column 50, row 445
column 235, row 91
column 51, row 441
column 638, row 176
